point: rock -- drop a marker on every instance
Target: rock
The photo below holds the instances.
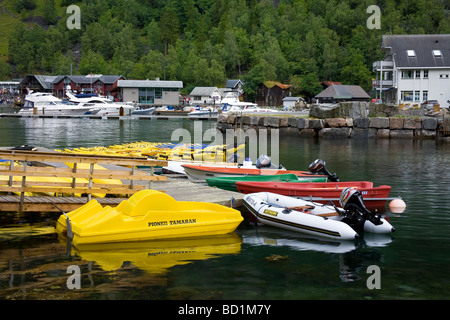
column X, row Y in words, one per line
column 429, row 123
column 271, row 122
column 245, row 119
column 221, row 117
column 302, row 123
column 284, row 122
column 333, row 133
column 383, row 133
column 316, row 124
column 412, row 123
column 231, row 118
column 361, row 123
column 363, row 133
column 402, row 134
column 353, row 109
column 383, row 110
column 335, row 122
column 379, row 122
column 293, row 122
column 396, row 123
column 307, row 133
column 422, row 133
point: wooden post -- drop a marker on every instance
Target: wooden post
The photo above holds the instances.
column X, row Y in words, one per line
column 91, row 171
column 74, row 179
column 22, row 194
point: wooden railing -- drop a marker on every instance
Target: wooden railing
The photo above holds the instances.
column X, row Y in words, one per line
column 32, row 172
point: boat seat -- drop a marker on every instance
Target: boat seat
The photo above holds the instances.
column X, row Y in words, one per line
column 145, row 200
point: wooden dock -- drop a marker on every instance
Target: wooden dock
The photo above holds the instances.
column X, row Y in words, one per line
column 82, row 181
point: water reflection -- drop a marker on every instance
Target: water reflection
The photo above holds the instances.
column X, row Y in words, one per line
column 353, row 256
column 157, row 257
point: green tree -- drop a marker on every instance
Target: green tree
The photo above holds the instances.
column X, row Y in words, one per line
column 169, row 27
column 92, row 62
column 356, row 71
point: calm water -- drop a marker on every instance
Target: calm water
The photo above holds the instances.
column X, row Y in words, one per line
column 255, row 262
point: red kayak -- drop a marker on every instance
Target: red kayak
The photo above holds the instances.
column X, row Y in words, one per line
column 374, row 197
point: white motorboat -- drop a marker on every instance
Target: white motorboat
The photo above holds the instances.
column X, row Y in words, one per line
column 209, row 111
column 44, row 103
column 141, row 111
column 100, row 105
column 314, row 218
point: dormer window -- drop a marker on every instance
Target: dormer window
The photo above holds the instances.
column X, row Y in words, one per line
column 437, row 53
column 411, row 53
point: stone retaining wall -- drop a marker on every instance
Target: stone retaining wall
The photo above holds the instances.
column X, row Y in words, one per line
column 376, row 127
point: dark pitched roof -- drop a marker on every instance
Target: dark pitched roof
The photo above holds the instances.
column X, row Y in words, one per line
column 109, row 79
column 423, row 46
column 343, row 92
column 232, row 83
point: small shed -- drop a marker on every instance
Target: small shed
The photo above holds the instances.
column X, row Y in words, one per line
column 289, row 102
column 271, row 93
column 339, row 93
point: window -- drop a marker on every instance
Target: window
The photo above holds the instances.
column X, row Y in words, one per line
column 424, row 95
column 425, row 74
column 443, row 76
column 437, row 53
column 411, row 53
column 407, row 74
column 407, row 96
column 416, row 95
column 417, row 73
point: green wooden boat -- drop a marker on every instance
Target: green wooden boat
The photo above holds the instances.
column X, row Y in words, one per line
column 229, row 183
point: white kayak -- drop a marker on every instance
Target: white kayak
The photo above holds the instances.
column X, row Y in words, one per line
column 305, row 216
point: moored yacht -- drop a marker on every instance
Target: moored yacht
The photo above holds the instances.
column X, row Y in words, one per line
column 44, row 103
column 100, row 105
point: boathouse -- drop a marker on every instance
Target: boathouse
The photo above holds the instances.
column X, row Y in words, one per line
column 340, row 93
column 92, row 83
column 37, row 83
column 272, row 93
column 150, row 92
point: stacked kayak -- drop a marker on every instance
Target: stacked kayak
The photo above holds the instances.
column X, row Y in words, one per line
column 314, row 218
column 374, row 197
column 147, row 215
column 229, row 183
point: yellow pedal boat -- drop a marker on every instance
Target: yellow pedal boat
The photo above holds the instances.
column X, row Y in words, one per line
column 147, row 215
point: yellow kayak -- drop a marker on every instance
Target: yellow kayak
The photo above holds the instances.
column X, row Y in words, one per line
column 147, row 215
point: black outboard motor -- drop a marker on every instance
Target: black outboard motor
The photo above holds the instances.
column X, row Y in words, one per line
column 356, row 213
column 263, row 162
column 318, row 167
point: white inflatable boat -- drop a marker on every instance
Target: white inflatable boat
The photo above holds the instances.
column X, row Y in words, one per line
column 315, row 218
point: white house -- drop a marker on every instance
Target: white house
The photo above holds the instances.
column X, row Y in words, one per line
column 205, row 95
column 416, row 68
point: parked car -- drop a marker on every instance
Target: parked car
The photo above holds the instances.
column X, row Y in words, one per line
column 429, row 104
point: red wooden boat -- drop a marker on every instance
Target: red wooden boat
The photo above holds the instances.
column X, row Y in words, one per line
column 322, row 192
column 199, row 173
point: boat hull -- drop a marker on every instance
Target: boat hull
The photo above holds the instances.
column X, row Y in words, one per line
column 265, row 207
column 374, row 197
column 320, row 220
column 148, row 215
column 198, row 173
column 229, row 183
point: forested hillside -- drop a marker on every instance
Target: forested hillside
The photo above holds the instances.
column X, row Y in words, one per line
column 205, row 42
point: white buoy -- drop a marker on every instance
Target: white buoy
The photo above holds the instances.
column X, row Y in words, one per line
column 397, row 206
